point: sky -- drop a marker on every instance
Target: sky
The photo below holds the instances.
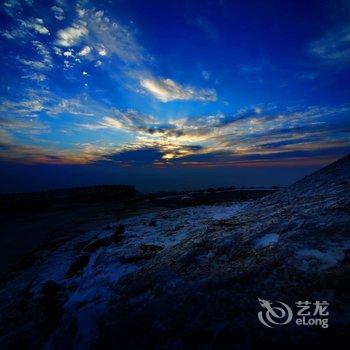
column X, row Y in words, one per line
column 171, row 94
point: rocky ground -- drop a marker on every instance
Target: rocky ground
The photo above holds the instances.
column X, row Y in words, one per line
column 192, row 277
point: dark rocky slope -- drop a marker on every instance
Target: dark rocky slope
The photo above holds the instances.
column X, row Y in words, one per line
column 203, row 293
column 191, row 278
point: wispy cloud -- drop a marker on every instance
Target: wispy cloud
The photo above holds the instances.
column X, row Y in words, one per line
column 101, row 34
column 45, row 60
column 14, row 8
column 43, row 52
column 93, row 36
column 251, row 133
column 58, row 12
column 71, row 36
column 36, row 24
column 128, row 120
column 36, row 154
column 35, row 101
column 35, row 76
column 206, row 75
column 74, row 106
column 167, row 90
column 26, row 29
column 84, row 51
column 250, row 137
column 206, row 26
column 109, row 37
column 15, row 33
column 28, row 126
column 334, row 46
column 73, row 44
column 23, row 107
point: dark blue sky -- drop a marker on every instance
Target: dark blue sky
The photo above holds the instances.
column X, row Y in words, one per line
column 171, row 93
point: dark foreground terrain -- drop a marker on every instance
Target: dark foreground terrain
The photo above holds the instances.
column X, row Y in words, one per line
column 31, row 222
column 192, row 278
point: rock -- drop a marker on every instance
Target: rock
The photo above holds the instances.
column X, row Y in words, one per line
column 202, row 292
column 151, row 248
column 152, row 223
column 50, row 288
column 214, row 304
column 96, row 244
column 187, row 200
column 194, row 198
column 143, row 252
column 79, row 264
column 120, row 229
column 131, row 258
column 51, row 304
column 118, row 233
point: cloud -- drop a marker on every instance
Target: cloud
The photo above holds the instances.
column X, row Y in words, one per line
column 249, row 136
column 43, row 52
column 101, row 37
column 36, row 154
column 13, row 34
column 27, row 126
column 58, row 13
column 333, row 47
column 68, row 53
column 130, row 157
column 12, row 149
column 102, row 51
column 35, row 76
column 36, row 24
column 51, row 105
column 31, row 63
column 206, row 74
column 71, row 36
column 307, row 76
column 14, row 8
column 130, row 120
column 167, row 90
column 109, row 37
column 149, row 153
column 45, row 61
column 93, row 38
column 74, row 106
column 84, row 51
column 57, row 51
column 11, row 7
column 202, row 140
column 248, row 69
column 207, row 27
column 24, row 107
column 26, row 29
column 227, row 139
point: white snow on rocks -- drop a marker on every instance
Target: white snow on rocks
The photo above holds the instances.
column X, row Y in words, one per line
column 315, row 259
column 90, row 290
column 267, row 240
column 224, row 212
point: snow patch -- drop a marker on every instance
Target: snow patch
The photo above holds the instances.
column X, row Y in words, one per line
column 93, row 288
column 314, row 258
column 221, row 212
column 267, row 240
